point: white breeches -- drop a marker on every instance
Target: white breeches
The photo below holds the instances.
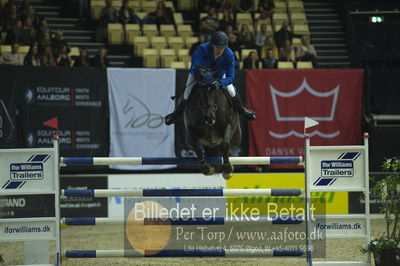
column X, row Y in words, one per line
column 190, row 82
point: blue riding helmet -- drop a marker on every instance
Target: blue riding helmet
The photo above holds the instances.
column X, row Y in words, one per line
column 219, row 39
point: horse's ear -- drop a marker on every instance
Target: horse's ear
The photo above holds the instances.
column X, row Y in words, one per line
column 173, row 98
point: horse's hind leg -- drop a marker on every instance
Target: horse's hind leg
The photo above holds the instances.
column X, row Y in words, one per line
column 227, row 168
column 204, row 167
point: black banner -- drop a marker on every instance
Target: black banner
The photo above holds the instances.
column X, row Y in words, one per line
column 384, row 143
column 78, row 97
column 27, row 206
column 83, row 206
column 8, row 126
column 182, row 150
column 385, row 91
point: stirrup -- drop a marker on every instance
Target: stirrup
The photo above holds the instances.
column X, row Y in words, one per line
column 250, row 115
column 171, row 118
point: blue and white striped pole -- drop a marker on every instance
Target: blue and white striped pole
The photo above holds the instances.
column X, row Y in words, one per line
column 183, row 253
column 179, row 192
column 188, row 221
column 176, row 161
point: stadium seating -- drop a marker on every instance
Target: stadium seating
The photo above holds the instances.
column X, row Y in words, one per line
column 285, row 65
column 115, row 33
column 178, row 18
column 96, row 6
column 141, row 15
column 178, row 65
column 131, row 31
column 244, row 18
column 150, row 58
column 183, row 55
column 176, row 43
column 189, row 41
column 74, row 51
column 179, row 38
column 135, row 5
column 295, row 6
column 301, row 29
column 167, row 30
column 246, row 52
column 150, row 30
column 5, row 48
column 184, row 30
column 279, row 18
column 140, row 43
column 296, row 42
column 23, row 49
column 167, row 56
column 186, row 4
column 280, row 7
column 304, row 65
column 298, row 18
column 149, row 6
column 170, row 4
column 158, row 43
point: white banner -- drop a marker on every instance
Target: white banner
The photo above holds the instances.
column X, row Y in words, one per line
column 139, row 100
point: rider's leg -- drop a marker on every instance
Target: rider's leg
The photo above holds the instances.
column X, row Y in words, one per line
column 237, row 102
column 181, row 104
column 190, row 82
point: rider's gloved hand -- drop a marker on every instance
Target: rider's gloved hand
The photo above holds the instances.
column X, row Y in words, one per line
column 216, row 84
column 197, row 74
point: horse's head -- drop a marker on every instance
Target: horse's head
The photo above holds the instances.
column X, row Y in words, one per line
column 208, row 100
column 208, row 103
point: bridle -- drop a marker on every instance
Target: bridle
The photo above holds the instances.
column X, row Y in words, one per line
column 207, row 105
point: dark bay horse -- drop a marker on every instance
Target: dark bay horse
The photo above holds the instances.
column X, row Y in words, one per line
column 212, row 126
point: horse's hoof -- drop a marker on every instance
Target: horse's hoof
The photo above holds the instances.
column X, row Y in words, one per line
column 227, row 168
column 227, row 175
column 227, row 171
column 207, row 169
column 212, row 171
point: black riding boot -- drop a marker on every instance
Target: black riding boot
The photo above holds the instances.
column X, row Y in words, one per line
column 237, row 102
column 171, row 118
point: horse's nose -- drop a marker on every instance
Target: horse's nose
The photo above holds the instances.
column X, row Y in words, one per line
column 210, row 121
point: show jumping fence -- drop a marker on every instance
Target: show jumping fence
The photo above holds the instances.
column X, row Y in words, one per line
column 182, row 253
column 177, row 161
column 36, row 171
column 187, row 221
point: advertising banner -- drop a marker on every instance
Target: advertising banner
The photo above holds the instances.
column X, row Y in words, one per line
column 27, row 229
column 282, row 98
column 83, row 206
column 331, row 202
column 139, row 99
column 24, row 206
column 8, row 105
column 343, row 169
column 77, row 97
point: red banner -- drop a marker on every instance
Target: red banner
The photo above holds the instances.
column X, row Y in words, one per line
column 282, row 98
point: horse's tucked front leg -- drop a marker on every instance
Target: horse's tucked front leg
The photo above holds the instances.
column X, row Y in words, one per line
column 204, row 167
column 227, row 168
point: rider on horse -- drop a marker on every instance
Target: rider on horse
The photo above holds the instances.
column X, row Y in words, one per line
column 217, row 56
